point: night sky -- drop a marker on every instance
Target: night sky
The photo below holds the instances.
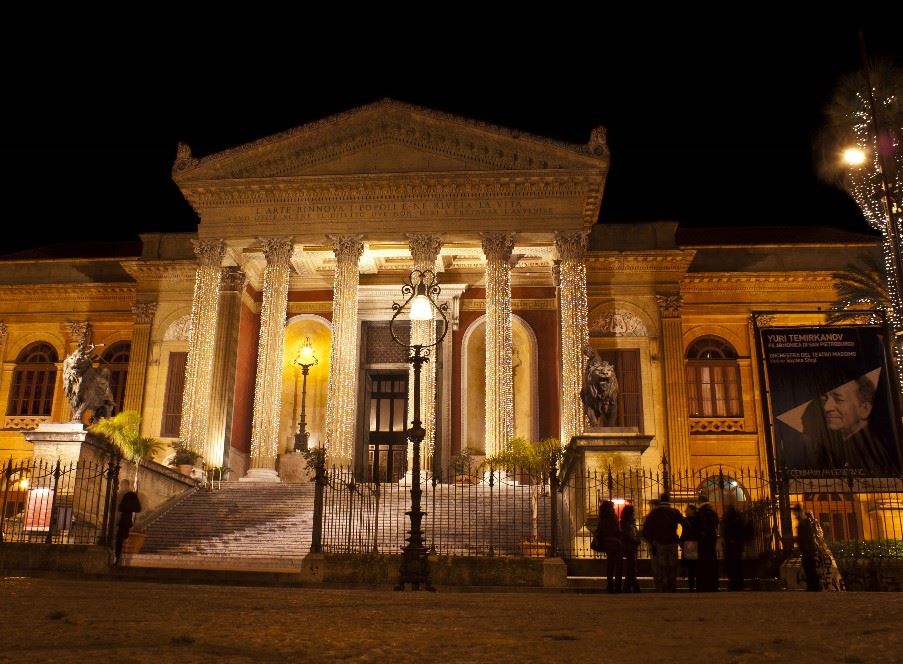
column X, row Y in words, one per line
column 711, row 116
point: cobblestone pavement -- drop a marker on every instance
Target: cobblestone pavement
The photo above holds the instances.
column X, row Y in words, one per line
column 45, row 620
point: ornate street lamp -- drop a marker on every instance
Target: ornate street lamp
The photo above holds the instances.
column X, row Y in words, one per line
column 420, row 290
column 305, row 360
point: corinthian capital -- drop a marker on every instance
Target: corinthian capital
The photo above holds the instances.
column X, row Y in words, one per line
column 498, row 246
column 571, row 245
column 144, row 312
column 347, row 248
column 424, row 247
column 77, row 330
column 209, row 252
column 669, row 305
column 232, row 280
column 277, row 250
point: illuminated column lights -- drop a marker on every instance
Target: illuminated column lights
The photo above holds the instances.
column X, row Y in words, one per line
column 268, row 383
column 424, row 250
column 201, row 346
column 499, row 396
column 867, row 186
column 342, row 400
column 571, row 249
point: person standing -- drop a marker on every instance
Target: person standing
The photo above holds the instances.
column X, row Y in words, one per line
column 707, row 538
column 610, row 536
column 129, row 505
column 631, row 541
column 660, row 529
column 689, row 546
column 805, row 538
column 736, row 532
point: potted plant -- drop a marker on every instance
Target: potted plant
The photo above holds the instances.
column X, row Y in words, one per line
column 531, row 461
column 184, row 459
column 463, row 465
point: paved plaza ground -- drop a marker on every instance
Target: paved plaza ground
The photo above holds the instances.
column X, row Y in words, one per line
column 47, row 620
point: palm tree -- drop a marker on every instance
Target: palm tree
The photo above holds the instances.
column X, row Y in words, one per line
column 861, row 289
column 124, row 431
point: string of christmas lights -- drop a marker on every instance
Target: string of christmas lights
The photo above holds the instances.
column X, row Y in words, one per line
column 424, row 249
column 268, row 382
column 497, row 248
column 201, row 347
column 571, row 247
column 866, row 184
column 342, row 391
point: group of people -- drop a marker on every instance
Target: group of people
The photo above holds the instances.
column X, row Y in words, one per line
column 694, row 534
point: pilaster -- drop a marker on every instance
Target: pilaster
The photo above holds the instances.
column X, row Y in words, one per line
column 675, row 382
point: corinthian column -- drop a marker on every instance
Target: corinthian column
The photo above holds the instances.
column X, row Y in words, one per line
column 134, row 382
column 424, row 250
column 499, row 402
column 675, row 383
column 268, row 384
column 232, row 286
column 201, row 345
column 341, row 404
column 571, row 249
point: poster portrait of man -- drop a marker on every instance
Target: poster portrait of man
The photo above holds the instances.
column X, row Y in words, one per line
column 829, row 398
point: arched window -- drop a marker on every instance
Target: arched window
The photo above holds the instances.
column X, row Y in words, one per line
column 33, row 381
column 713, row 379
column 116, row 360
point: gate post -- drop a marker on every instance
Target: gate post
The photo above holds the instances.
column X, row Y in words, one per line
column 56, row 486
column 316, row 539
column 553, row 506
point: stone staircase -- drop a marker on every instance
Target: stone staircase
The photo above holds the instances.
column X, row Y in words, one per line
column 242, row 526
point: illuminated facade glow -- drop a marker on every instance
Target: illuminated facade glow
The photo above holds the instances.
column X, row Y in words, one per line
column 571, row 249
column 267, row 386
column 497, row 248
column 201, row 347
column 341, row 405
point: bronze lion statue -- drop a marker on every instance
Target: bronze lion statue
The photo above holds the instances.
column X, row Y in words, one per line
column 86, row 388
column 600, row 390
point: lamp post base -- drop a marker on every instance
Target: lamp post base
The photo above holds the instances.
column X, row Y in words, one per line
column 415, row 567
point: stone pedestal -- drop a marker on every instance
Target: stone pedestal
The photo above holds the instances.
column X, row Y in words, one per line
column 618, row 448
column 69, row 442
column 260, row 475
column 293, row 468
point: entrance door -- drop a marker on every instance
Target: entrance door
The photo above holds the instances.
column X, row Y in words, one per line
column 386, row 440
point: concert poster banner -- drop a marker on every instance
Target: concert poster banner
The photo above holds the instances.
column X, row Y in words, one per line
column 830, row 401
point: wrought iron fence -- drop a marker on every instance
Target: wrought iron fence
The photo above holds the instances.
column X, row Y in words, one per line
column 491, row 512
column 50, row 502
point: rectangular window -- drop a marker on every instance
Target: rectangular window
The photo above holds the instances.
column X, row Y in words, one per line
column 630, row 390
column 172, row 400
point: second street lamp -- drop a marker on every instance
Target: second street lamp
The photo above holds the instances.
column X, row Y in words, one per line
column 420, row 290
column 305, row 360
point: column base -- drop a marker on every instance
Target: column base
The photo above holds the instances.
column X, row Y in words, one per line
column 260, row 475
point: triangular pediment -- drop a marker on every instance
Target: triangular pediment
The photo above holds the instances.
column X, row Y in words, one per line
column 391, row 137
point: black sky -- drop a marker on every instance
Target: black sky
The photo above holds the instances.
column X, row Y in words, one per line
column 711, row 115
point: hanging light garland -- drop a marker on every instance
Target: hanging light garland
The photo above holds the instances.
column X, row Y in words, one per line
column 497, row 248
column 571, row 249
column 268, row 383
column 342, row 401
column 201, row 346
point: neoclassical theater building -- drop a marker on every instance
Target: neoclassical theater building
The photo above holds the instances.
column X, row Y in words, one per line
column 310, row 233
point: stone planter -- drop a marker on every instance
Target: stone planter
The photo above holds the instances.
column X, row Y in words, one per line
column 534, row 549
column 186, row 469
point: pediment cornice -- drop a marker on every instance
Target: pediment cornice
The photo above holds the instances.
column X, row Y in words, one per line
column 473, row 145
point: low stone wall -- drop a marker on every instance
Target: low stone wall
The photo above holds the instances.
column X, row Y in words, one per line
column 444, row 570
column 872, row 575
column 70, row 559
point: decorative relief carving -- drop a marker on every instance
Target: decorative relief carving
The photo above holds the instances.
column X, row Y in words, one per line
column 716, row 425
column 765, row 320
column 618, row 323
column 676, row 262
column 277, row 250
column 669, row 305
column 23, row 422
column 516, row 305
column 571, row 245
column 4, row 331
column 497, row 246
column 210, row 253
column 756, row 282
column 598, row 143
column 424, row 247
column 179, row 329
column 77, row 330
column 232, row 280
column 78, row 291
column 144, row 312
column 309, row 307
column 184, row 160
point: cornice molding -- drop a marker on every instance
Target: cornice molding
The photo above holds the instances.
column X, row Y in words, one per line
column 640, row 262
column 755, row 281
column 516, row 305
column 94, row 291
column 150, row 271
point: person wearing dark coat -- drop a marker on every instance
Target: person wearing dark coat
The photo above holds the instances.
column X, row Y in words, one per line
column 631, row 541
column 689, row 545
column 610, row 536
column 706, row 524
column 129, row 505
column 660, row 530
column 736, row 533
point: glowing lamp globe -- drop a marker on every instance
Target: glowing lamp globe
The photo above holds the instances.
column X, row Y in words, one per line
column 854, row 157
column 421, row 308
